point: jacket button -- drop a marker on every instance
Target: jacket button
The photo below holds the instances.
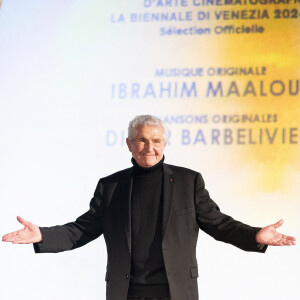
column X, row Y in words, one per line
column 126, row 276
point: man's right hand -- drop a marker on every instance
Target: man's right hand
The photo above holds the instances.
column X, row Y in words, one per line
column 29, row 234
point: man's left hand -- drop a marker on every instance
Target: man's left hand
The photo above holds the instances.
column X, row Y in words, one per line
column 269, row 236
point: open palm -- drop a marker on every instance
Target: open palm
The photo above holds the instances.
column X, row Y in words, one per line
column 269, row 236
column 29, row 234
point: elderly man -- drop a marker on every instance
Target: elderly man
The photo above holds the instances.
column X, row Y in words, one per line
column 150, row 215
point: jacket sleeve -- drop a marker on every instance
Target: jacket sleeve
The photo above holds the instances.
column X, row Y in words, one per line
column 220, row 226
column 75, row 234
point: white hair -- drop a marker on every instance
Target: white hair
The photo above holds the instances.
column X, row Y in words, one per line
column 142, row 121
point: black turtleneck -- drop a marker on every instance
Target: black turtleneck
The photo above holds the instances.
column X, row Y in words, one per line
column 148, row 277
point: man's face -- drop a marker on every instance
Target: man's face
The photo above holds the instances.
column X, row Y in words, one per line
column 148, row 146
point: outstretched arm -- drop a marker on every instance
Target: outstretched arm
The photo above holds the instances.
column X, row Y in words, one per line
column 269, row 236
column 65, row 237
column 29, row 234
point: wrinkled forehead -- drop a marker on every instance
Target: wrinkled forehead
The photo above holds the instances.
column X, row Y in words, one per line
column 150, row 130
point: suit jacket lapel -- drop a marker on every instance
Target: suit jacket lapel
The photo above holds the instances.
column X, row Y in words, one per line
column 168, row 187
column 126, row 190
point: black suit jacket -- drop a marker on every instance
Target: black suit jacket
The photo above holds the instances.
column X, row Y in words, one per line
column 187, row 207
